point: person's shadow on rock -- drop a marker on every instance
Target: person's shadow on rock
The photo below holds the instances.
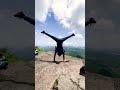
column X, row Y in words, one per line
column 57, row 62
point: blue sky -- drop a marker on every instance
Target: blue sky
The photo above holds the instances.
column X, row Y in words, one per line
column 60, row 18
column 51, row 26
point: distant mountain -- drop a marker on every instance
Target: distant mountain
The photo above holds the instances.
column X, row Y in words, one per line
column 103, row 62
column 71, row 51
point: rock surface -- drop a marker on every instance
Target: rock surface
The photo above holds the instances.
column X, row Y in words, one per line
column 60, row 75
column 100, row 82
column 18, row 76
column 53, row 76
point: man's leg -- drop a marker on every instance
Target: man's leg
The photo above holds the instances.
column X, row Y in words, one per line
column 65, row 38
column 26, row 18
column 53, row 37
column 30, row 20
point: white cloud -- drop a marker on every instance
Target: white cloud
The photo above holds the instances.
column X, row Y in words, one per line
column 41, row 38
column 41, row 9
column 78, row 36
column 60, row 37
column 69, row 13
column 51, row 43
column 75, row 42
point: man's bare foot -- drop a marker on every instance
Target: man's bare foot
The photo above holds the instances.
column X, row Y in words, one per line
column 92, row 20
column 19, row 15
column 43, row 32
column 73, row 34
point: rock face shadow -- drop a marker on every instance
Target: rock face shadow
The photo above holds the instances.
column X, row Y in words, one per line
column 57, row 62
column 82, row 71
column 46, row 61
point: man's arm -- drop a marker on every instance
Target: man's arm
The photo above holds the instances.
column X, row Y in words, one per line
column 54, row 38
column 68, row 37
column 26, row 18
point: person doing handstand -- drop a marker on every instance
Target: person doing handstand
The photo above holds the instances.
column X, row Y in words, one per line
column 59, row 48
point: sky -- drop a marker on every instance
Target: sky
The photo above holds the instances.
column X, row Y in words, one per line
column 13, row 30
column 60, row 18
column 17, row 35
column 105, row 34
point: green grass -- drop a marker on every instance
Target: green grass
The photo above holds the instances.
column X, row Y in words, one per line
column 39, row 49
column 10, row 57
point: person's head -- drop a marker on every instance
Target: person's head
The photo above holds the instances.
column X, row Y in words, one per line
column 60, row 53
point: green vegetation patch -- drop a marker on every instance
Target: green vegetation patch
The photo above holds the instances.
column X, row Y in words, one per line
column 74, row 54
column 39, row 49
column 71, row 51
column 10, row 57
